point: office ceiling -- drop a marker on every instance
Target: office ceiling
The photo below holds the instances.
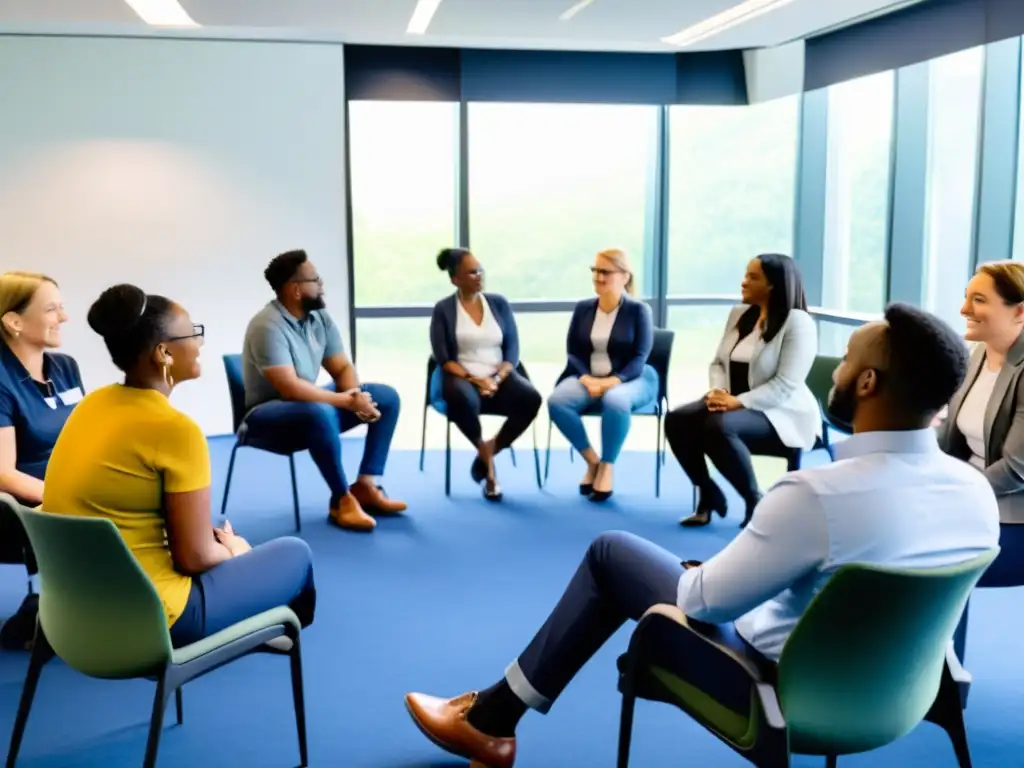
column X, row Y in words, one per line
column 605, row 25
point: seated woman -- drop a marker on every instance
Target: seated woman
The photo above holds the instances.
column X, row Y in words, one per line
column 610, row 338
column 38, row 389
column 128, row 455
column 985, row 422
column 476, row 345
column 759, row 400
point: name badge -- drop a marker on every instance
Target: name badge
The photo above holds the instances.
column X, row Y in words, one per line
column 71, row 396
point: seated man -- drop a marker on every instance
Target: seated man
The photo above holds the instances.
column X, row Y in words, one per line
column 286, row 344
column 891, row 498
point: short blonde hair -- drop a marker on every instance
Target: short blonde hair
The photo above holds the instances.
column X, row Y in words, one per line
column 16, row 291
column 620, row 259
column 1008, row 277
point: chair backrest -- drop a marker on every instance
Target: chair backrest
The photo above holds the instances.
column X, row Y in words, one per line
column 97, row 607
column 236, row 386
column 660, row 357
column 863, row 665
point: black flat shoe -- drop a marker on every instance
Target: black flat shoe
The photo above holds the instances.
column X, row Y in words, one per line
column 494, row 494
column 599, row 496
column 586, row 489
column 478, row 470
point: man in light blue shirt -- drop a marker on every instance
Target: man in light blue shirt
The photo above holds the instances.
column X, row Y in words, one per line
column 891, row 498
column 286, row 345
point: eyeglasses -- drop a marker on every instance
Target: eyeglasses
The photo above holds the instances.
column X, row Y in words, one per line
column 599, row 272
column 318, row 280
column 198, row 331
column 475, row 272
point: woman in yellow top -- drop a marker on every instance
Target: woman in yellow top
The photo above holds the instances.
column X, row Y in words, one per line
column 127, row 454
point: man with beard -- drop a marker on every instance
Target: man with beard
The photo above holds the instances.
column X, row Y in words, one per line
column 286, row 345
column 891, row 498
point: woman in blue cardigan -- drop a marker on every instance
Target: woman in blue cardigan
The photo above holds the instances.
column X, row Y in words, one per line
column 476, row 345
column 609, row 341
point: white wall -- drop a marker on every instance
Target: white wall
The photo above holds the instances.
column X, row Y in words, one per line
column 182, row 166
column 774, row 72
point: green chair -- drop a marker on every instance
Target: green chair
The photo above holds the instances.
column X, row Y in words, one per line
column 99, row 612
column 869, row 660
column 819, row 381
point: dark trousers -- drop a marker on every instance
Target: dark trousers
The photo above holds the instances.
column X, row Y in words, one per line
column 694, row 432
column 516, row 399
column 14, row 544
column 620, row 577
column 277, row 573
column 317, row 427
column 1006, row 571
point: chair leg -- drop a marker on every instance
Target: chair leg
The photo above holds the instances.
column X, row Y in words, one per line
column 512, row 451
column 423, row 438
column 947, row 712
column 156, row 721
column 831, row 761
column 179, row 706
column 41, row 653
column 299, row 700
column 626, row 728
column 227, row 483
column 448, row 458
column 547, row 456
column 295, row 492
column 536, row 456
column 657, row 461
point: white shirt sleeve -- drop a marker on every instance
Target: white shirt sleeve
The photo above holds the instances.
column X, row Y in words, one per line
column 785, row 540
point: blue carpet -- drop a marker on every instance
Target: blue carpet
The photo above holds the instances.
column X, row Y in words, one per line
column 440, row 601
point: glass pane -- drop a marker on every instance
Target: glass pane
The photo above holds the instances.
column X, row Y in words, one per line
column 698, row 332
column 833, row 337
column 552, row 184
column 860, row 117
column 404, row 159
column 1018, row 232
column 954, row 128
column 732, row 177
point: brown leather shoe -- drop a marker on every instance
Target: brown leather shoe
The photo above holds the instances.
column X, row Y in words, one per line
column 373, row 499
column 348, row 514
column 444, row 722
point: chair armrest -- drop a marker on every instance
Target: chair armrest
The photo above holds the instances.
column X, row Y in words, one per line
column 958, row 674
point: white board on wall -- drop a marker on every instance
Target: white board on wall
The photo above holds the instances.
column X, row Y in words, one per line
column 182, row 166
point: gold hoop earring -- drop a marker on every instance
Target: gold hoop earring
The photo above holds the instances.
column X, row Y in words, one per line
column 168, row 379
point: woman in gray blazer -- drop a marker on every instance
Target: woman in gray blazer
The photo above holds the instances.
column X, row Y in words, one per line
column 985, row 422
column 758, row 400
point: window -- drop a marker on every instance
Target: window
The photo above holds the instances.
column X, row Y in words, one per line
column 404, row 165
column 699, row 331
column 552, row 184
column 732, row 187
column 1018, row 230
column 860, row 119
column 954, row 126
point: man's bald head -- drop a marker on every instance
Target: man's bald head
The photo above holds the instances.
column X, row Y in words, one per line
column 909, row 365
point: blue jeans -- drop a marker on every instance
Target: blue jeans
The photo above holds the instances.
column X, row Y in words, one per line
column 570, row 399
column 295, row 426
column 277, row 573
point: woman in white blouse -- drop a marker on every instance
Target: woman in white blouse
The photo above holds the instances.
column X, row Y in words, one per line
column 476, row 346
column 758, row 400
column 985, row 422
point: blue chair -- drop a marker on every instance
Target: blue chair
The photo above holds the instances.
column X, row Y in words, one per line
column 659, row 360
column 236, row 386
column 433, row 399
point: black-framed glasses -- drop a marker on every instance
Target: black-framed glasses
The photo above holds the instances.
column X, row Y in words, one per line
column 198, row 332
column 601, row 272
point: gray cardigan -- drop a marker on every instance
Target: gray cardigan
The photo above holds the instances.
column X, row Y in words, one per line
column 1004, row 430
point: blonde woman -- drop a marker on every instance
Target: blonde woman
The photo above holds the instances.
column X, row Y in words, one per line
column 38, row 389
column 609, row 340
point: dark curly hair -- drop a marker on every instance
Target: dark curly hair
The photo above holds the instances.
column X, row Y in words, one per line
column 131, row 322
column 927, row 360
column 450, row 258
column 283, row 267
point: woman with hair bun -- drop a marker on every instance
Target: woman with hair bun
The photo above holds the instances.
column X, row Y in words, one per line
column 128, row 455
column 475, row 342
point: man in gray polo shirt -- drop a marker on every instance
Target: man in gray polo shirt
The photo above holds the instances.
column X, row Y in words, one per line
column 286, row 344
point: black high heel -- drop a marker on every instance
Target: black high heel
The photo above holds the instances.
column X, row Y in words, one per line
column 749, row 512
column 586, row 489
column 716, row 504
